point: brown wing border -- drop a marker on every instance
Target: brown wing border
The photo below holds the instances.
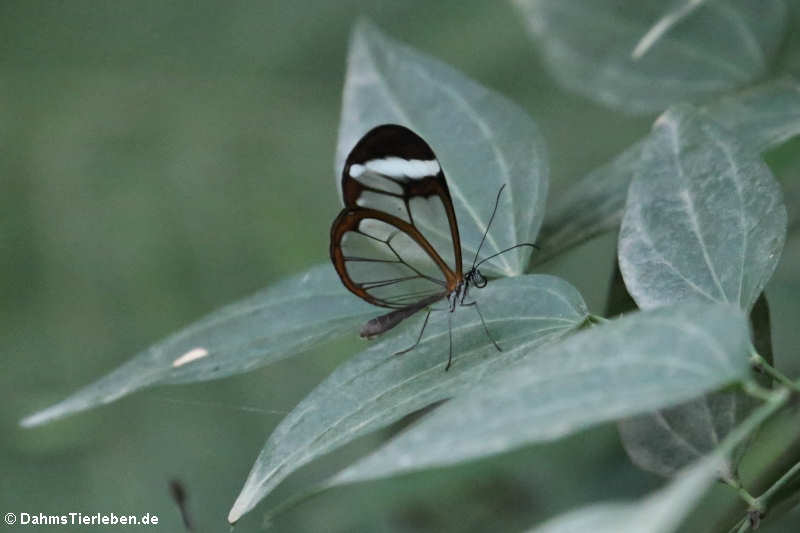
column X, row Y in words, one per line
column 349, row 219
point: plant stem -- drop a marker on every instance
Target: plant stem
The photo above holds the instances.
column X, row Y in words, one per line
column 755, row 390
column 783, row 480
column 752, row 501
column 773, row 400
column 744, row 527
column 762, row 363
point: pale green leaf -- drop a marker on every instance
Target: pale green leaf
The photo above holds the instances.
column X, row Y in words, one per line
column 660, row 512
column 705, row 220
column 762, row 118
column 481, row 139
column 280, row 321
column 704, row 217
column 639, row 363
column 641, row 56
column 376, row 388
column 666, row 441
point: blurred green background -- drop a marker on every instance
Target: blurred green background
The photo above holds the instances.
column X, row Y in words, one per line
column 162, row 158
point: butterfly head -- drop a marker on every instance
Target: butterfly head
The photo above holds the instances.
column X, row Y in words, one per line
column 475, row 278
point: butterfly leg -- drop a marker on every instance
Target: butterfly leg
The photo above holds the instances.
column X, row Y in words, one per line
column 419, row 338
column 450, row 334
column 486, row 329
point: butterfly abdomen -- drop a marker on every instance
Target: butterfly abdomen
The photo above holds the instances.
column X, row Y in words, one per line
column 383, row 323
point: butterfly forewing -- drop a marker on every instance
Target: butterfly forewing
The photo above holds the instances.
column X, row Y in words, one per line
column 396, row 243
column 394, row 170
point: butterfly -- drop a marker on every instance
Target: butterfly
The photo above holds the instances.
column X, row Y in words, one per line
column 396, row 242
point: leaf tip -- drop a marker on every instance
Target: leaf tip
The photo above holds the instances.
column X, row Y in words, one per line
column 36, row 419
column 236, row 512
column 46, row 415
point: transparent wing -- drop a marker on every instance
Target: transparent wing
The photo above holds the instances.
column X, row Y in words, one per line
column 377, row 258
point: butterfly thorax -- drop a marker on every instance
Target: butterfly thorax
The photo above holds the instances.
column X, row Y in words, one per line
column 473, row 278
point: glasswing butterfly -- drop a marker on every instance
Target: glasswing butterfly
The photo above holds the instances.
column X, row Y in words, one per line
column 396, row 243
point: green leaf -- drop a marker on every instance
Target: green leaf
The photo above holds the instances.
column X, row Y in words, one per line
column 705, row 220
column 280, row 321
column 639, row 363
column 660, row 512
column 666, row 441
column 763, row 117
column 640, row 56
column 704, row 217
column 482, row 140
column 376, row 388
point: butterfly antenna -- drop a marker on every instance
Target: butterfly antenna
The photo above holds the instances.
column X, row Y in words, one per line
column 507, row 250
column 491, row 218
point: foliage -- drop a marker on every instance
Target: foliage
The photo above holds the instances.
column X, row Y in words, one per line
column 702, row 227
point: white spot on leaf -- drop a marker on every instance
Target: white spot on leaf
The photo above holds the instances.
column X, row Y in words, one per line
column 192, row 355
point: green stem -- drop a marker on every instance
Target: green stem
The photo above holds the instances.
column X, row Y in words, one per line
column 597, row 319
column 784, row 479
column 754, row 389
column 762, row 363
column 774, row 400
column 752, row 501
column 745, row 525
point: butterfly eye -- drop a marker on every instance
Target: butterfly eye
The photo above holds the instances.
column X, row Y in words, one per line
column 479, row 280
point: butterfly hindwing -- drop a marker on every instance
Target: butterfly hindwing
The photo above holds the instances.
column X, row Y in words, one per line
column 396, row 242
column 371, row 252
